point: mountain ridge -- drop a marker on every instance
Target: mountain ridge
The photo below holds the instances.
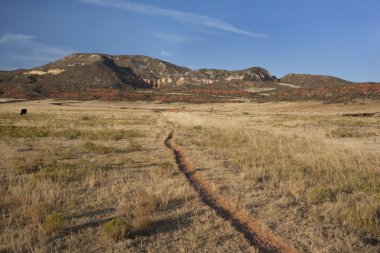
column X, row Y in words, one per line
column 81, row 74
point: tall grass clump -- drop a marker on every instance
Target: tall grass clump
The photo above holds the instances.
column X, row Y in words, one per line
column 165, row 168
column 53, row 222
column 139, row 211
column 115, row 229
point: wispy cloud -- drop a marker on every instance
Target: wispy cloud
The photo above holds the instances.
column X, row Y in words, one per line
column 10, row 38
column 166, row 53
column 186, row 17
column 23, row 51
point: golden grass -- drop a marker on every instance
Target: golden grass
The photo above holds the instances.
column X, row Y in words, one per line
column 37, row 181
column 72, row 133
column 345, row 132
column 277, row 163
column 103, row 167
column 310, row 170
column 74, row 177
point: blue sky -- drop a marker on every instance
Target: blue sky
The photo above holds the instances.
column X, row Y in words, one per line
column 332, row 37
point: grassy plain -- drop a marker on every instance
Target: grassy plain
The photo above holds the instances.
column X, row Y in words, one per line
column 97, row 176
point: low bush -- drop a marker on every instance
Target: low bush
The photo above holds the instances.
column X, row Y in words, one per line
column 86, row 117
column 53, row 222
column 142, row 212
column 115, row 229
column 165, row 168
column 319, row 195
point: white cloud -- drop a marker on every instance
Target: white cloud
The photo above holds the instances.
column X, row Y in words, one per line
column 23, row 51
column 186, row 17
column 166, row 53
column 11, row 38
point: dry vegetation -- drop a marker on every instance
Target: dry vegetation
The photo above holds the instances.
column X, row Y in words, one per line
column 312, row 172
column 96, row 176
column 288, row 166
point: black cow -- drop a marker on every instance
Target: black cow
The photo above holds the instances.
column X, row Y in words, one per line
column 23, row 112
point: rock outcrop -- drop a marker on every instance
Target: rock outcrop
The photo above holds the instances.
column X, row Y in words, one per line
column 82, row 72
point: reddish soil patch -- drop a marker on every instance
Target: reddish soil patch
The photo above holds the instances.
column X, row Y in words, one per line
column 222, row 92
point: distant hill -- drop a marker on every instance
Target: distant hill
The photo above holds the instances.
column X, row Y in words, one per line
column 305, row 81
column 328, row 88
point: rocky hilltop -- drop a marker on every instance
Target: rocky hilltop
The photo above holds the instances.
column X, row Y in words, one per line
column 160, row 74
column 82, row 72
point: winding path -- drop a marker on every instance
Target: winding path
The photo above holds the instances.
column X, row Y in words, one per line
column 255, row 234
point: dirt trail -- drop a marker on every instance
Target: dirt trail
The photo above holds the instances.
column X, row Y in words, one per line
column 256, row 235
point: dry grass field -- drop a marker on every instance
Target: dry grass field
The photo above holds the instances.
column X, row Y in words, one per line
column 97, row 176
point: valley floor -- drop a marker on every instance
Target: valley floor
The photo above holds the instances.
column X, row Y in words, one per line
column 247, row 177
